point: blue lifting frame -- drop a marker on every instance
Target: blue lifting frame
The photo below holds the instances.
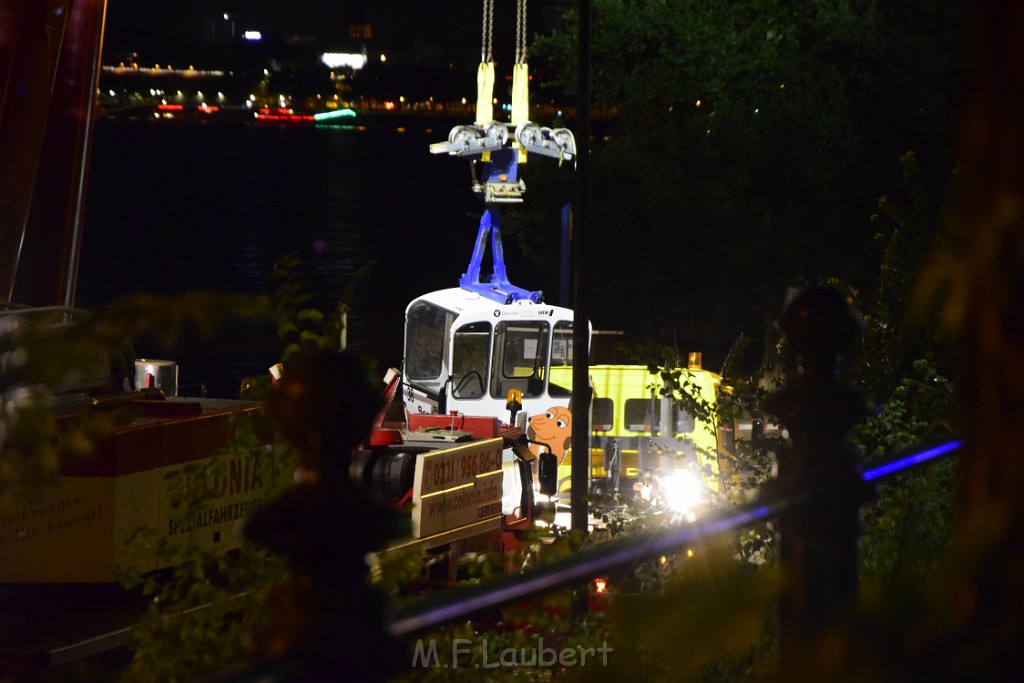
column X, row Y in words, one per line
column 501, row 170
column 496, row 287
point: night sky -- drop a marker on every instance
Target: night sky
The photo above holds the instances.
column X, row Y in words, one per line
column 392, row 20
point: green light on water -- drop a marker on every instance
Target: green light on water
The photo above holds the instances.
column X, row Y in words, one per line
column 336, row 114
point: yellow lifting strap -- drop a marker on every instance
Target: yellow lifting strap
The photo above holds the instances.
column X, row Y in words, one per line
column 485, row 72
column 520, row 73
column 484, row 93
column 520, row 101
column 520, row 76
column 520, row 93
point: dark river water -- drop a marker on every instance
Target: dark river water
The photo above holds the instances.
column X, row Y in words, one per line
column 178, row 207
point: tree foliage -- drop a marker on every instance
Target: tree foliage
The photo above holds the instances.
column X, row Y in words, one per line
column 208, row 594
column 53, row 362
column 745, row 144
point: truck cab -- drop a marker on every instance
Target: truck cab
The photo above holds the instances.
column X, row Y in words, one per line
column 644, row 441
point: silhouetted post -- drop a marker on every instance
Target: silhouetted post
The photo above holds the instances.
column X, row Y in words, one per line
column 327, row 623
column 818, row 540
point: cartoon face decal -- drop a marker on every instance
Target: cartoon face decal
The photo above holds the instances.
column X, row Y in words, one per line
column 553, row 429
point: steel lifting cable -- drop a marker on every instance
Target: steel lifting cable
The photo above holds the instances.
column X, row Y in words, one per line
column 520, row 73
column 487, row 33
column 485, row 72
column 520, row 32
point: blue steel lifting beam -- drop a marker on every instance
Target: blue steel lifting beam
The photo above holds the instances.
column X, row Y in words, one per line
column 501, row 179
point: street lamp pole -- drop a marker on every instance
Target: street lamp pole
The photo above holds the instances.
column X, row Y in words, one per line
column 581, row 325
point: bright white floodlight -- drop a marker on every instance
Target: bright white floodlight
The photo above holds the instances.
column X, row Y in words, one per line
column 335, row 60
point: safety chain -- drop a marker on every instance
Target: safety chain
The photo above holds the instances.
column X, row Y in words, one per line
column 521, row 32
column 486, row 38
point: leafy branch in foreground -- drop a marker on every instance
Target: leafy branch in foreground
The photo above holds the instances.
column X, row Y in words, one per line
column 208, row 591
column 55, row 365
column 303, row 325
column 218, row 591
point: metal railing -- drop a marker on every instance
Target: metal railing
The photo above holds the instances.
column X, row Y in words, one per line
column 466, row 603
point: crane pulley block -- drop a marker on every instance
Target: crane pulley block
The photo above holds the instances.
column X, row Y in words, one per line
column 472, row 140
column 557, row 142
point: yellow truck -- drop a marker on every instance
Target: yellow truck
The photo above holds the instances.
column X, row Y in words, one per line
column 644, row 442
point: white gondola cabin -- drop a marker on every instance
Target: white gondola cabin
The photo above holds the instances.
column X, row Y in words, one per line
column 465, row 352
